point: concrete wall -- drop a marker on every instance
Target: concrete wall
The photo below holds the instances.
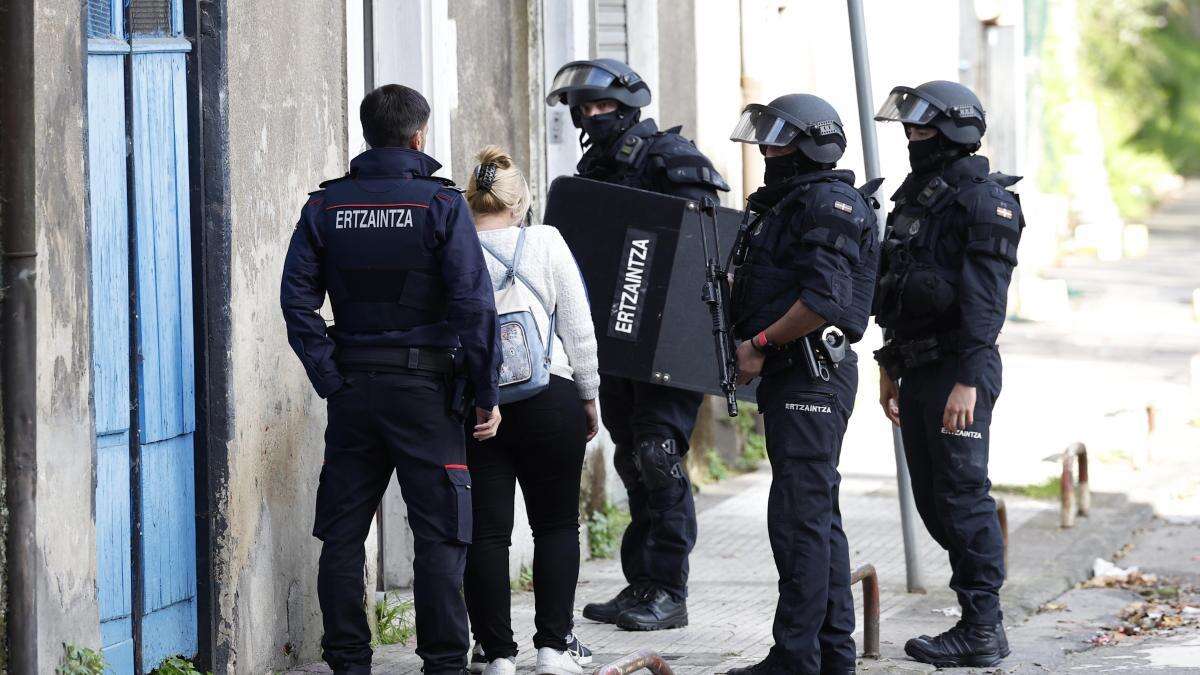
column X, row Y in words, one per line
column 493, row 82
column 287, row 132
column 676, row 90
column 65, row 530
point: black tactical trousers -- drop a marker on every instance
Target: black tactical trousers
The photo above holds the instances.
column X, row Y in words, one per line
column 805, row 420
column 662, row 528
column 950, row 484
column 378, row 423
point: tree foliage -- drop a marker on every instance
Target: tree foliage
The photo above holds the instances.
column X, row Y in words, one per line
column 1145, row 57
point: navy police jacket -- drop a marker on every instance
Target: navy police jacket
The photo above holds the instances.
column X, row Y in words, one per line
column 657, row 161
column 397, row 252
column 948, row 257
column 816, row 242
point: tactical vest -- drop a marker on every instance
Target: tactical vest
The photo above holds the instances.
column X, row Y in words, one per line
column 638, row 160
column 765, row 286
column 925, row 241
column 379, row 269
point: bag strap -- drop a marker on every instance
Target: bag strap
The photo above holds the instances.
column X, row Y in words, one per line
column 511, row 274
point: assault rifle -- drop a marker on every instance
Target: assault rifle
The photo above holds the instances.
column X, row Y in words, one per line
column 716, row 296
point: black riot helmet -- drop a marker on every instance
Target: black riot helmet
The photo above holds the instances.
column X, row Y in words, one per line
column 598, row 79
column 949, row 107
column 803, row 120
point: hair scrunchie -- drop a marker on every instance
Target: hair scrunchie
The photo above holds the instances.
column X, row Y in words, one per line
column 485, row 176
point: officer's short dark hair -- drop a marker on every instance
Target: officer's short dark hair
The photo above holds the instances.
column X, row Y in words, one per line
column 391, row 115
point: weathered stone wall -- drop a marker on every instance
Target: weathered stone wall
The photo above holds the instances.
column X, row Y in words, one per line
column 493, row 82
column 65, row 545
column 286, row 133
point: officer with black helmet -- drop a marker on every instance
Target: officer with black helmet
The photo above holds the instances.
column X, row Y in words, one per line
column 802, row 291
column 650, row 423
column 414, row 335
column 948, row 257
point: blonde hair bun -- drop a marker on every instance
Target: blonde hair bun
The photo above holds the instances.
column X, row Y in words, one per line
column 497, row 185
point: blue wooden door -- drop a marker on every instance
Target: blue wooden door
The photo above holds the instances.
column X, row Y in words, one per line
column 145, row 493
column 109, row 206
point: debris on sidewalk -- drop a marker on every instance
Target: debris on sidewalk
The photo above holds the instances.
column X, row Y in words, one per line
column 954, row 611
column 1166, row 605
column 1051, row 607
column 1107, row 575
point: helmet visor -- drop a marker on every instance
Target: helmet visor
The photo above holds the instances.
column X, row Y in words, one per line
column 906, row 107
column 574, row 77
column 760, row 126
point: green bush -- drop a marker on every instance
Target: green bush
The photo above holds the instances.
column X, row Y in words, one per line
column 754, row 451
column 524, row 580
column 605, row 528
column 177, row 665
column 80, row 661
column 715, row 464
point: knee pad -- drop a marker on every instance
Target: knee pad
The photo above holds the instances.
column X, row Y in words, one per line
column 658, row 463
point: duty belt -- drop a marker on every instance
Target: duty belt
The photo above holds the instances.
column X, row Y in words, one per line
column 398, row 359
column 900, row 356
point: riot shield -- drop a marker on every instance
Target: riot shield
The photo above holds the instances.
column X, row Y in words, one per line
column 643, row 262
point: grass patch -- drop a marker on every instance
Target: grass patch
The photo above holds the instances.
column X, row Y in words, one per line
column 396, row 619
column 524, row 580
column 1047, row 489
column 605, row 528
column 715, row 465
column 80, row 661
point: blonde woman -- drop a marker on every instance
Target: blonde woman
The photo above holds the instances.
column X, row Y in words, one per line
column 541, row 443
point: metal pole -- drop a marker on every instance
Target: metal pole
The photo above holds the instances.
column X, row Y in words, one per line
column 866, row 122
column 18, row 334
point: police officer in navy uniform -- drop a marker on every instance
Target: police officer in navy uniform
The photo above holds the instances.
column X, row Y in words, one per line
column 949, row 255
column 650, row 423
column 414, row 336
column 807, row 271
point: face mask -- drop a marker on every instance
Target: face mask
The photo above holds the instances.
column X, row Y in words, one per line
column 924, row 154
column 780, row 169
column 602, row 129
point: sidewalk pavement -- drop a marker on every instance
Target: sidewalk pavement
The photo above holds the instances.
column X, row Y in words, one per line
column 733, row 579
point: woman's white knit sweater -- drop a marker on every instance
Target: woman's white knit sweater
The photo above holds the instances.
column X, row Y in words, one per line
column 551, row 269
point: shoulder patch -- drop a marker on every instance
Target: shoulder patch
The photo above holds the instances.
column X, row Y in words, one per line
column 1004, row 212
column 842, row 206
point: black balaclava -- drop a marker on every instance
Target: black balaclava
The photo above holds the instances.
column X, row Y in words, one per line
column 934, row 153
column 602, row 130
column 785, row 167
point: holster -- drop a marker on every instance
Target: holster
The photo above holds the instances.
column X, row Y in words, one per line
column 898, row 357
column 460, row 395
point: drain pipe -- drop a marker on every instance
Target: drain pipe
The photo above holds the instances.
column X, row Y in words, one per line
column 18, row 346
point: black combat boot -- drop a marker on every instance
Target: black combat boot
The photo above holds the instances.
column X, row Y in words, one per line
column 768, row 666
column 607, row 612
column 657, row 610
column 964, row 645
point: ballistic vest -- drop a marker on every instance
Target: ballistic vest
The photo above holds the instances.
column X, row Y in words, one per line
column 823, row 210
column 378, row 264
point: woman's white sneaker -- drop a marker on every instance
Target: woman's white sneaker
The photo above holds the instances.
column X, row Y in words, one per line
column 478, row 660
column 502, row 666
column 550, row 661
column 583, row 655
